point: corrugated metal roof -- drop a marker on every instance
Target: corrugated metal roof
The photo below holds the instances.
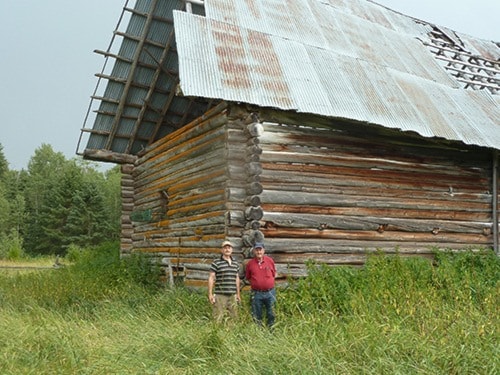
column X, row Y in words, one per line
column 345, row 59
column 351, row 59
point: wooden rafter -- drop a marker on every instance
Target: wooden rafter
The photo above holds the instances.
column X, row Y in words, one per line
column 152, row 90
column 128, row 84
column 473, row 71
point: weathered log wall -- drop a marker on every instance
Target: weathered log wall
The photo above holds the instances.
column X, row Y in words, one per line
column 127, row 198
column 187, row 196
column 336, row 194
column 316, row 189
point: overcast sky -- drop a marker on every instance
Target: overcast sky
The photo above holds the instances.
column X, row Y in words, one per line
column 47, row 64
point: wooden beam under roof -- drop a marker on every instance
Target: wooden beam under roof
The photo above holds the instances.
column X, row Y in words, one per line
column 109, row 156
column 152, row 90
column 472, row 70
column 130, row 77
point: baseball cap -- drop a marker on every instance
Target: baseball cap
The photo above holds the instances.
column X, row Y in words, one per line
column 258, row 244
column 227, row 243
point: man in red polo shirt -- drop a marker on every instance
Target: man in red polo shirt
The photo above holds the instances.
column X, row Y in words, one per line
column 260, row 272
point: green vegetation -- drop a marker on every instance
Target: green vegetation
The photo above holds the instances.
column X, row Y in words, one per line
column 55, row 204
column 103, row 315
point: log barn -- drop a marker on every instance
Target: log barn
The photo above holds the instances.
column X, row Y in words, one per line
column 330, row 129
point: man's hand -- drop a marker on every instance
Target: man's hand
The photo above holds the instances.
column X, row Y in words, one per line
column 211, row 298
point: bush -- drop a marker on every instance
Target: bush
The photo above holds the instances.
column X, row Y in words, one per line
column 97, row 276
column 139, row 268
column 325, row 289
column 74, row 253
column 11, row 246
column 392, row 285
column 466, row 276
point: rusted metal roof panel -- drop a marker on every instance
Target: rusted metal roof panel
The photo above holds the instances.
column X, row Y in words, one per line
column 355, row 63
column 488, row 49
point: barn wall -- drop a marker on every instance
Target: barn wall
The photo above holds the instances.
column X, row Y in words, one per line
column 180, row 197
column 318, row 190
column 496, row 203
column 334, row 192
column 127, row 198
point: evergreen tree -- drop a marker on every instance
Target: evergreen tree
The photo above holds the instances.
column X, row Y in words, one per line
column 106, row 206
column 4, row 165
column 87, row 222
column 12, row 214
column 4, row 202
column 45, row 174
column 4, row 210
column 15, row 182
column 112, row 200
column 64, row 202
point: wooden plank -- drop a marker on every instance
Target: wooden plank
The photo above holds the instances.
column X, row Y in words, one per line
column 394, row 212
column 353, row 245
column 185, row 198
column 326, row 258
column 191, row 130
column 166, row 233
column 380, row 177
column 109, row 156
column 182, row 169
column 349, row 187
column 177, row 161
column 333, row 234
column 190, row 147
column 368, row 140
column 318, row 199
column 277, row 220
column 206, row 219
column 333, row 157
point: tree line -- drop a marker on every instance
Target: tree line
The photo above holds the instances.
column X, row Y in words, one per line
column 56, row 203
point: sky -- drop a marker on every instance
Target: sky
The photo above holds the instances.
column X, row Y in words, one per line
column 47, row 63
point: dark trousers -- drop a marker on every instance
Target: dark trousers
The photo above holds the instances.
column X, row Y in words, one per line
column 263, row 301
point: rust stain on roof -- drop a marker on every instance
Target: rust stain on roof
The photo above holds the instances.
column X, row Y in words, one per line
column 269, row 67
column 254, row 10
column 231, row 55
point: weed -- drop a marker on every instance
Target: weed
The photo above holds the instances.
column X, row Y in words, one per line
column 394, row 315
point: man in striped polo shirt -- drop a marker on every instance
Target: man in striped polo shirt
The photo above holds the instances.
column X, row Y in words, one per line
column 224, row 284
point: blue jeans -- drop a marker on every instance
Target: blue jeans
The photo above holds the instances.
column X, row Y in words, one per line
column 263, row 301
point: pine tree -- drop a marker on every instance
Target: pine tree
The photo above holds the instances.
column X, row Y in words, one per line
column 87, row 222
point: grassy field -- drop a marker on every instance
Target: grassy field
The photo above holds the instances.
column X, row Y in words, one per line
column 41, row 262
column 394, row 316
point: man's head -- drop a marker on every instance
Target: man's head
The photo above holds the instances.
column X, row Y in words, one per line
column 259, row 250
column 226, row 248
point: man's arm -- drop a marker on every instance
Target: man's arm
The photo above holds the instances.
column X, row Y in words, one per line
column 248, row 273
column 273, row 268
column 238, row 298
column 211, row 283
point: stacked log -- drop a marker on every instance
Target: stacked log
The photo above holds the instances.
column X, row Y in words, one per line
column 316, row 189
column 127, row 198
column 181, row 180
column 333, row 195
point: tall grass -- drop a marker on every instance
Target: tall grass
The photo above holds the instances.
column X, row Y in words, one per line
column 11, row 246
column 104, row 315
